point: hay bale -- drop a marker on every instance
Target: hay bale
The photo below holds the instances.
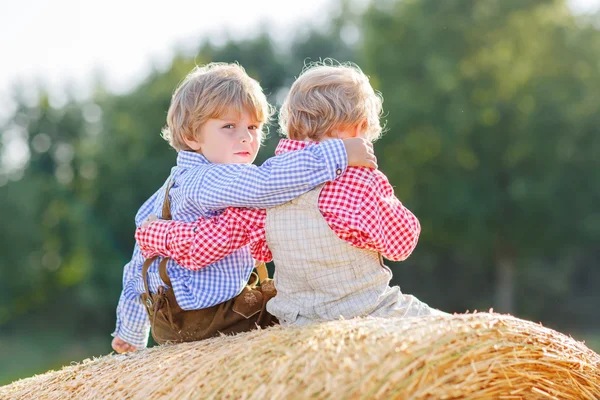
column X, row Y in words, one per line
column 482, row 355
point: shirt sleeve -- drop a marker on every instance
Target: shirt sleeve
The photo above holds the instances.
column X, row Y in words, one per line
column 277, row 181
column 194, row 245
column 133, row 325
column 382, row 223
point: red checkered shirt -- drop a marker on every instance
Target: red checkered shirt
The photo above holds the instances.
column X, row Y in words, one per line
column 360, row 208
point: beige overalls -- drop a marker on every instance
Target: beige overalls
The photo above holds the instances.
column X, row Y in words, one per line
column 319, row 277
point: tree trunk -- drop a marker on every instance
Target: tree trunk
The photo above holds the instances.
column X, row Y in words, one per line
column 505, row 285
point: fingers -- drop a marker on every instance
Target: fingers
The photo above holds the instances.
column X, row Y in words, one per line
column 121, row 346
column 372, row 163
column 127, row 348
column 119, row 349
column 370, row 148
column 372, row 157
column 360, row 153
column 151, row 218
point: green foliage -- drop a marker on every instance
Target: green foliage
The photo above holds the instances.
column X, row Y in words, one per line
column 491, row 107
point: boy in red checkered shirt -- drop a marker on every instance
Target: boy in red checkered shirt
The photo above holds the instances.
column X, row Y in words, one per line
column 326, row 244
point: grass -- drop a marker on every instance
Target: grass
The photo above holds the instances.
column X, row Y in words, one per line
column 23, row 356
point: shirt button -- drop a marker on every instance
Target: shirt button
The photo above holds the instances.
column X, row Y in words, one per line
column 338, row 171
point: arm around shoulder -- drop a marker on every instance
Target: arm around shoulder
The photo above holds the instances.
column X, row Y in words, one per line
column 279, row 180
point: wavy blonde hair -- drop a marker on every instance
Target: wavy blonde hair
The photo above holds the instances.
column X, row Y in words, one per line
column 328, row 96
column 211, row 91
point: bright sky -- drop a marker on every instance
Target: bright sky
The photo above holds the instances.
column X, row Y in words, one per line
column 64, row 42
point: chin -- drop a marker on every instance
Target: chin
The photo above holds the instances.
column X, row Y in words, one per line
column 240, row 160
column 243, row 159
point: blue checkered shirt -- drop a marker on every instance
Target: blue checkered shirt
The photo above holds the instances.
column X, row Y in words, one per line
column 203, row 189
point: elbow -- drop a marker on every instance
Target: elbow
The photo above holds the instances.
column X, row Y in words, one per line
column 399, row 256
column 194, row 265
column 402, row 250
column 411, row 242
column 412, row 238
column 190, row 263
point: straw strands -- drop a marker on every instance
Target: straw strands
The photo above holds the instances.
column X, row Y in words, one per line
column 477, row 356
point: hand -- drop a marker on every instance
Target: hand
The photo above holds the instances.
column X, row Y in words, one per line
column 141, row 237
column 121, row 346
column 360, row 153
column 151, row 218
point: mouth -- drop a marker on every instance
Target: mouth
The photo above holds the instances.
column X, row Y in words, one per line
column 243, row 153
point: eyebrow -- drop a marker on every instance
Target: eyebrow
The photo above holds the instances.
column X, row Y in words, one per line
column 229, row 118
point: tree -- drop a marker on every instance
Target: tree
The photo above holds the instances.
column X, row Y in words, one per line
column 491, row 113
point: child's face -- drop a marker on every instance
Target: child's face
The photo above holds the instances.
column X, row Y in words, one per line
column 231, row 139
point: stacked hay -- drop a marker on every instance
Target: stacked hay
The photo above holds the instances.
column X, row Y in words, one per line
column 480, row 356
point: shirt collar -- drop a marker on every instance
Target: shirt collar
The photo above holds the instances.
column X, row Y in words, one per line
column 287, row 145
column 190, row 159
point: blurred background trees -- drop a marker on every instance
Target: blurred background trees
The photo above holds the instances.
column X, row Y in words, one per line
column 492, row 113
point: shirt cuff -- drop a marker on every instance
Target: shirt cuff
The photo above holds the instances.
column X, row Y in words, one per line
column 152, row 239
column 336, row 159
column 136, row 339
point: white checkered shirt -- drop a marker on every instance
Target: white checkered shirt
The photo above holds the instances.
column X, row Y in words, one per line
column 201, row 188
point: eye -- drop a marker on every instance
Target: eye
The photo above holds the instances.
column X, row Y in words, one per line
column 229, row 126
column 253, row 127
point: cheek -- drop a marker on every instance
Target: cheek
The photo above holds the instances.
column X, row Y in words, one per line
column 256, row 141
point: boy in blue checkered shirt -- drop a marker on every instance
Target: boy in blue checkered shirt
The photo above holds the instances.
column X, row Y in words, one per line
column 215, row 123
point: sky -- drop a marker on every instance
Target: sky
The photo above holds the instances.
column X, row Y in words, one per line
column 65, row 42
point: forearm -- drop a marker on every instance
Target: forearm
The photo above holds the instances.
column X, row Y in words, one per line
column 195, row 245
column 279, row 180
column 132, row 325
column 399, row 235
column 132, row 321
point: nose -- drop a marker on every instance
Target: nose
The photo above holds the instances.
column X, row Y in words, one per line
column 246, row 136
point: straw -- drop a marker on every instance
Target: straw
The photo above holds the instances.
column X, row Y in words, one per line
column 478, row 356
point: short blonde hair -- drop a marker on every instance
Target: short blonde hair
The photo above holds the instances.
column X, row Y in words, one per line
column 211, row 91
column 326, row 97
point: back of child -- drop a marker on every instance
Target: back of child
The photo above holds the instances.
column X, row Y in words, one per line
column 320, row 275
column 215, row 123
column 328, row 243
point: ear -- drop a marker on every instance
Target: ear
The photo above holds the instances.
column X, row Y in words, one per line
column 349, row 131
column 193, row 143
column 361, row 127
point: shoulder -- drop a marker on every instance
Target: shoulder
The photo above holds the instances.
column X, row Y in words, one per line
column 194, row 176
column 380, row 178
column 352, row 188
column 219, row 168
column 368, row 182
column 362, row 176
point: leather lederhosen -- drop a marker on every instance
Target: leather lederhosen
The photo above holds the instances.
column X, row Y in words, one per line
column 171, row 324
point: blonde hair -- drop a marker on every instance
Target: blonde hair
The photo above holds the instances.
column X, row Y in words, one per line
column 326, row 97
column 211, row 91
